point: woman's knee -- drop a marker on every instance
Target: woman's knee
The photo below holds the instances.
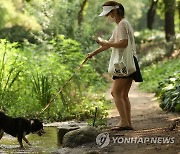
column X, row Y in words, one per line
column 119, row 93
column 124, row 95
column 121, row 88
column 116, row 92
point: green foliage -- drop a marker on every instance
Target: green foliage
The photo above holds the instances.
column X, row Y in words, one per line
column 68, row 50
column 17, row 34
column 8, row 73
column 13, row 13
column 169, row 93
column 61, row 17
column 156, row 53
column 156, row 73
column 149, row 36
column 51, row 18
column 135, row 11
column 32, row 75
column 42, row 88
column 161, row 10
column 152, row 47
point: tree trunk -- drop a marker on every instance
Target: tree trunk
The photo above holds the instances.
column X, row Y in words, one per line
column 169, row 19
column 151, row 14
column 80, row 13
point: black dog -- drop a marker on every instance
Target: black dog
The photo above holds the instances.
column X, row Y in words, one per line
column 19, row 127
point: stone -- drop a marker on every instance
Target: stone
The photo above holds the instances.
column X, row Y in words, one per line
column 64, row 127
column 63, row 130
column 80, row 136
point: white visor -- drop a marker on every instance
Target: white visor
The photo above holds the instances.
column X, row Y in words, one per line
column 107, row 9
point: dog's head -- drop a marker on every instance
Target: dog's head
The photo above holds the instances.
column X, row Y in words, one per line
column 37, row 127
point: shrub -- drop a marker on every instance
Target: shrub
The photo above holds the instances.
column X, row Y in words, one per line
column 17, row 34
column 31, row 76
column 163, row 79
column 156, row 73
column 169, row 93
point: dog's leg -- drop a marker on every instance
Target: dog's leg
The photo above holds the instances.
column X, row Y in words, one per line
column 1, row 133
column 25, row 139
column 20, row 141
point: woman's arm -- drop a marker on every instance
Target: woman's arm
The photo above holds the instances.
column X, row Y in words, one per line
column 106, row 45
column 100, row 49
column 119, row 44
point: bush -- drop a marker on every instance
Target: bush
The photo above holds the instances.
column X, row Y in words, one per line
column 169, row 93
column 17, row 34
column 156, row 73
column 163, row 79
column 31, row 76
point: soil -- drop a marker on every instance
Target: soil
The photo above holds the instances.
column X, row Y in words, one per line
column 149, row 121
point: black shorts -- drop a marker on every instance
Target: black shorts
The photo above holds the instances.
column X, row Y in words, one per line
column 136, row 76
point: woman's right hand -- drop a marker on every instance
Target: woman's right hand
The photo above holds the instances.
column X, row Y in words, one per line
column 90, row 55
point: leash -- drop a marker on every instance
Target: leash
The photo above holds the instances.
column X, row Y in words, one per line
column 66, row 83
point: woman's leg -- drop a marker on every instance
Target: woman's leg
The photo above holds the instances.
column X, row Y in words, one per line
column 127, row 102
column 119, row 92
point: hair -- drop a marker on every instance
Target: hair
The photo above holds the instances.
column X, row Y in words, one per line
column 120, row 10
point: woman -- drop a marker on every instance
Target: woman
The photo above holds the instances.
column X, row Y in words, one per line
column 118, row 42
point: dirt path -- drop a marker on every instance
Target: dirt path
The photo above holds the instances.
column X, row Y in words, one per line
column 149, row 121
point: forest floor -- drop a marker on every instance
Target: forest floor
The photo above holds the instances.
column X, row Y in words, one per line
column 149, row 122
column 153, row 132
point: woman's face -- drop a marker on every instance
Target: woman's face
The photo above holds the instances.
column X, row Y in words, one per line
column 111, row 16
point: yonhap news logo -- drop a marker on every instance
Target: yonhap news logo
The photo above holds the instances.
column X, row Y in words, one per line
column 104, row 140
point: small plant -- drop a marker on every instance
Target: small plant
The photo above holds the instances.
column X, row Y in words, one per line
column 9, row 72
column 42, row 89
column 169, row 93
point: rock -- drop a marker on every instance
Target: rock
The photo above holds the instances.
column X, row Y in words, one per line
column 67, row 126
column 80, row 136
column 63, row 130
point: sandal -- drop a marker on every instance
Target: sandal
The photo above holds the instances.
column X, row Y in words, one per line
column 122, row 128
